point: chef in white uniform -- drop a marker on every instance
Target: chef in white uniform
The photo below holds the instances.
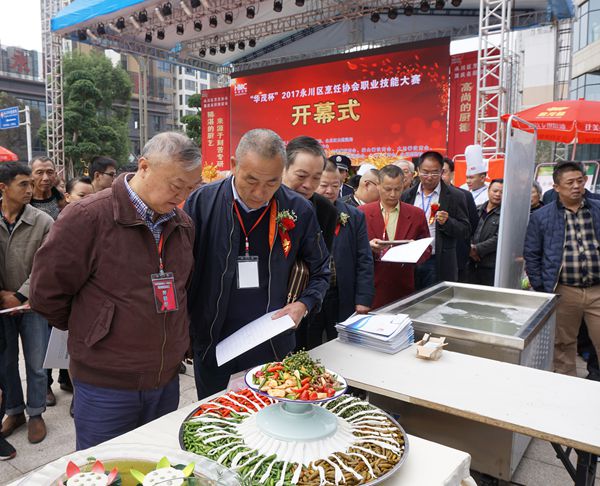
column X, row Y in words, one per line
column 477, row 168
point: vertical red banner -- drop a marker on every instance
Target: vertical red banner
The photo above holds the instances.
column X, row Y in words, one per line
column 215, row 128
column 463, row 102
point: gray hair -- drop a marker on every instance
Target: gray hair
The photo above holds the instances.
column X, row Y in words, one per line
column 263, row 142
column 175, row 147
column 407, row 163
column 538, row 187
column 41, row 158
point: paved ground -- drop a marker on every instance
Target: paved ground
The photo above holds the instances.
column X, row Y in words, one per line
column 539, row 467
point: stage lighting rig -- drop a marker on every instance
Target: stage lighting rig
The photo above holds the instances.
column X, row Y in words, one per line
column 160, row 34
column 135, row 23
column 392, row 13
column 195, row 4
column 252, row 42
column 212, row 21
column 202, row 52
column 409, row 10
column 180, row 29
column 375, row 17
column 143, row 17
column 222, row 48
column 299, row 3
column 101, row 30
column 167, row 9
column 228, row 17
column 81, row 35
column 250, row 12
column 440, row 4
column 197, row 26
column 159, row 14
column 231, row 46
column 277, row 5
column 185, row 8
column 91, row 35
column 456, row 3
column 241, row 45
column 424, row 6
column 148, row 37
column 213, row 51
column 120, row 23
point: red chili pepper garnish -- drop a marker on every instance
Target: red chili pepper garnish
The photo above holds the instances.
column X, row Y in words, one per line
column 275, row 368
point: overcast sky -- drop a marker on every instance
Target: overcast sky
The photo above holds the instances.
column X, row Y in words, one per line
column 20, row 24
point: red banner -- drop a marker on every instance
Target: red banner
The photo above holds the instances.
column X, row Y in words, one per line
column 215, row 128
column 391, row 103
column 463, row 101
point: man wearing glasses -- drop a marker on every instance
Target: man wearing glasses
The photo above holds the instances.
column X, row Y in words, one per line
column 102, row 172
column 446, row 213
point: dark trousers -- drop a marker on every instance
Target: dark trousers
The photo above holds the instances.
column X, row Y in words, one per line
column 586, row 349
column 211, row 378
column 63, row 375
column 426, row 274
column 324, row 320
column 102, row 414
column 481, row 275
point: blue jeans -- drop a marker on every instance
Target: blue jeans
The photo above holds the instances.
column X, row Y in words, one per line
column 102, row 414
column 33, row 330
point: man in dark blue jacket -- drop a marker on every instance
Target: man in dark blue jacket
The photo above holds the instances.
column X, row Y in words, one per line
column 351, row 286
column 561, row 256
column 250, row 217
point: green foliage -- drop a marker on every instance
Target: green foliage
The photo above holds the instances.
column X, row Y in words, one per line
column 193, row 123
column 15, row 139
column 96, row 113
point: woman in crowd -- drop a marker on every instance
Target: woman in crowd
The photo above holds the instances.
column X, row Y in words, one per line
column 536, row 196
column 482, row 261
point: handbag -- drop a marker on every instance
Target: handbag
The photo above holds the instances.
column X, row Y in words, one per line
column 298, row 281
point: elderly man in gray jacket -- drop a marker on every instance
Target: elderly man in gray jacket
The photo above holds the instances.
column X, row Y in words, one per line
column 23, row 229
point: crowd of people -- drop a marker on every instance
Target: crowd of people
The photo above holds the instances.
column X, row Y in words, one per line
column 144, row 268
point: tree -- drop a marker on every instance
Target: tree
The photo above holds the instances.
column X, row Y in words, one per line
column 193, row 123
column 15, row 139
column 96, row 109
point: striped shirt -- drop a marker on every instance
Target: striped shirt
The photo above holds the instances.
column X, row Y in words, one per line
column 148, row 214
column 581, row 255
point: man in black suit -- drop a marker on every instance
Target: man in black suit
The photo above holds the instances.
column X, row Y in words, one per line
column 446, row 212
column 462, row 246
column 343, row 164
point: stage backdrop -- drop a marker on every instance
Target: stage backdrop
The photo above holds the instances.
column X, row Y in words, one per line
column 392, row 102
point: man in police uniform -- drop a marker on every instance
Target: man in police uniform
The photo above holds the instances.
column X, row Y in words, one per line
column 343, row 164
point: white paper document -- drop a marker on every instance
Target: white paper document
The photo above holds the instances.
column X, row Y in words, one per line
column 19, row 309
column 57, row 355
column 409, row 253
column 251, row 335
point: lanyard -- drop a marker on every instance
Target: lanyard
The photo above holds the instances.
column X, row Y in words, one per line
column 247, row 234
column 386, row 220
column 425, row 209
column 160, row 253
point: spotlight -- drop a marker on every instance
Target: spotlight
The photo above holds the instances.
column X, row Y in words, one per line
column 299, row 3
column 222, row 48
column 197, row 26
column 213, row 51
column 143, row 17
column 148, row 37
column 228, row 17
column 456, row 3
column 202, row 52
column 392, row 13
column 212, row 21
column 439, row 4
column 160, row 34
column 159, row 15
column 179, row 29
column 409, row 10
column 81, row 35
column 101, row 30
column 250, row 12
column 135, row 23
column 185, row 8
column 375, row 17
column 278, row 5
column 252, row 42
column 167, row 9
column 424, row 6
column 112, row 27
column 91, row 35
column 241, row 45
column 231, row 46
column 120, row 23
column 195, row 3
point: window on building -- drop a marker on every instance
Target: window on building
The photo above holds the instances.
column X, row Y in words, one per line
column 586, row 86
column 190, row 85
column 180, row 84
column 123, row 61
column 164, row 66
column 190, row 71
column 156, row 123
column 181, row 99
column 203, row 75
column 587, row 26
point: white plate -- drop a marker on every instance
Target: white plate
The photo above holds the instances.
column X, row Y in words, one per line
column 343, row 383
column 50, row 474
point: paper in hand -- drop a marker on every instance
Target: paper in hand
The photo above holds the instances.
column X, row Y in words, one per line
column 251, row 335
column 409, row 253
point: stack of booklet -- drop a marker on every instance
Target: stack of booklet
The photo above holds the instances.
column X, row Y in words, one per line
column 383, row 332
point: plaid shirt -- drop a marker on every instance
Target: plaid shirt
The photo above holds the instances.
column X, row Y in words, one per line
column 147, row 214
column 581, row 256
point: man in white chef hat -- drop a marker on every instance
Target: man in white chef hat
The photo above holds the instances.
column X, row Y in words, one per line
column 477, row 168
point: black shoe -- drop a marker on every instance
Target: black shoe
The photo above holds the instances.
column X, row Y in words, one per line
column 6, row 450
column 182, row 368
column 66, row 387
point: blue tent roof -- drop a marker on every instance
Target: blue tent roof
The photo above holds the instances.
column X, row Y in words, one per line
column 82, row 11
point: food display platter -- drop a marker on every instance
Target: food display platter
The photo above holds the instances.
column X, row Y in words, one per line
column 367, row 447
column 206, row 472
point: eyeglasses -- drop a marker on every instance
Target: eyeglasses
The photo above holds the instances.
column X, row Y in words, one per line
column 429, row 174
column 112, row 175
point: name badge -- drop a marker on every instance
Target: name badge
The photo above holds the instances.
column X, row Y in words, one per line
column 247, row 271
column 165, row 295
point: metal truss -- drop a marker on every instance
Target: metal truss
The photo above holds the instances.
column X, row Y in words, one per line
column 492, row 80
column 53, row 75
column 562, row 73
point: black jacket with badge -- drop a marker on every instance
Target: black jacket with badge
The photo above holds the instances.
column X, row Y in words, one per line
column 326, row 216
column 447, row 235
column 486, row 236
column 215, row 252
